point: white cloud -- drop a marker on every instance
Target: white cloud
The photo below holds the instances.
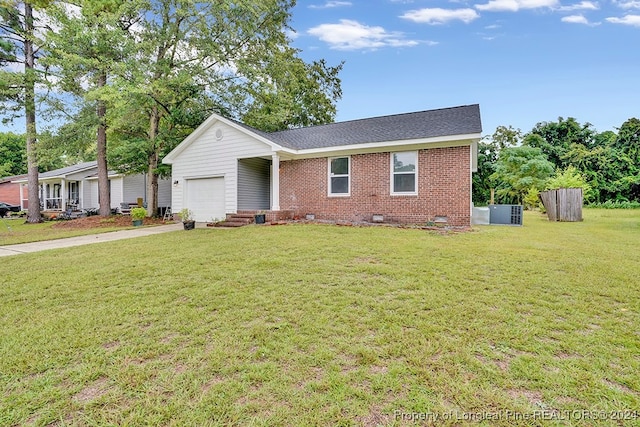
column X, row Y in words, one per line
column 631, row 4
column 583, row 5
column 575, row 19
column 352, row 35
column 331, row 5
column 437, row 15
column 291, row 34
column 492, row 27
column 633, row 20
column 515, row 5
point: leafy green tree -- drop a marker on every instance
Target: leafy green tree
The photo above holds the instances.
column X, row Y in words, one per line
column 296, row 93
column 482, row 184
column 504, row 137
column 626, row 149
column 195, row 58
column 90, row 46
column 518, row 169
column 19, row 46
column 13, row 154
column 555, row 138
column 488, row 149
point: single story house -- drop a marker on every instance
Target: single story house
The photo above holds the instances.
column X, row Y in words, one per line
column 407, row 168
column 76, row 187
column 10, row 190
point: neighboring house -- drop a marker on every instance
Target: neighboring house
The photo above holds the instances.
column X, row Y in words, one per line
column 76, row 187
column 408, row 168
column 10, row 190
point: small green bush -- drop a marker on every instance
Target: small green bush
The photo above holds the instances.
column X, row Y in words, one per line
column 570, row 178
column 531, row 200
column 186, row 215
column 616, row 204
column 138, row 213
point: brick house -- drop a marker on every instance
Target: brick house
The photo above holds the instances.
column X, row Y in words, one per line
column 10, row 190
column 408, row 168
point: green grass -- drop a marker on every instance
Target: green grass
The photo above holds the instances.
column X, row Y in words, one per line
column 14, row 231
column 323, row 325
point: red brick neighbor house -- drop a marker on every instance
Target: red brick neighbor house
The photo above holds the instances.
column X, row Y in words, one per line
column 404, row 168
column 10, row 190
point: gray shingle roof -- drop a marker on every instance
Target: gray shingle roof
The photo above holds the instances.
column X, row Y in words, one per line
column 12, row 178
column 68, row 170
column 423, row 124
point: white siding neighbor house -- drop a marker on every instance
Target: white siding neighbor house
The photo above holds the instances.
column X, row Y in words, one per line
column 76, row 187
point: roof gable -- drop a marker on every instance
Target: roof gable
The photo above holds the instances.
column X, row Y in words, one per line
column 208, row 123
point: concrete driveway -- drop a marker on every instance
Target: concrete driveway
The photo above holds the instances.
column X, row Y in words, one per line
column 24, row 248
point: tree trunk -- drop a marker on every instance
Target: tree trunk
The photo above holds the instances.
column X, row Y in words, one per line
column 152, row 186
column 33, row 215
column 152, row 164
column 104, row 196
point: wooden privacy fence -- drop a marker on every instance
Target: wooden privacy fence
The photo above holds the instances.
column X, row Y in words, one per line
column 563, row 204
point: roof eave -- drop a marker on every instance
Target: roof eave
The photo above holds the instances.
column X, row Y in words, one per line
column 407, row 144
column 63, row 176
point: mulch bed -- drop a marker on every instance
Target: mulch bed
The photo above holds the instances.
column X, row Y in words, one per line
column 123, row 221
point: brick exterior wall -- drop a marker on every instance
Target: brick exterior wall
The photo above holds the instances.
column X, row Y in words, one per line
column 444, row 189
column 10, row 193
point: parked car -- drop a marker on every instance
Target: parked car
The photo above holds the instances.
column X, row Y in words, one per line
column 6, row 207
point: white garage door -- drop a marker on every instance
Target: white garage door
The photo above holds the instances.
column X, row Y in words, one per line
column 205, row 197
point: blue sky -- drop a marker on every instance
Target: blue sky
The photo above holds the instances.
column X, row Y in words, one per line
column 523, row 61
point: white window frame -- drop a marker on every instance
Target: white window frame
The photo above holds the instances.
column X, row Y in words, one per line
column 393, row 173
column 330, row 175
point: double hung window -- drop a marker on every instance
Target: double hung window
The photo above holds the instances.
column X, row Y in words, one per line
column 339, row 176
column 404, row 170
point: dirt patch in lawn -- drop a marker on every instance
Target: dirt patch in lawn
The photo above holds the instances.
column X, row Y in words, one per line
column 123, row 221
column 93, row 391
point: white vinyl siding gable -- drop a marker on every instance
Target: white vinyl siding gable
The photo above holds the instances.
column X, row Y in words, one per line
column 211, row 156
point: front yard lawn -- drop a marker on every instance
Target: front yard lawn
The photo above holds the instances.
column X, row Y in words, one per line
column 324, row 325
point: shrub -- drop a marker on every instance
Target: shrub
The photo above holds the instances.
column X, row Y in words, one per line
column 531, row 200
column 138, row 213
column 186, row 215
column 570, row 178
column 616, row 204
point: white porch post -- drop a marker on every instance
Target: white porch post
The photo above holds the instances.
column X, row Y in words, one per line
column 21, row 197
column 275, row 182
column 63, row 194
column 81, row 194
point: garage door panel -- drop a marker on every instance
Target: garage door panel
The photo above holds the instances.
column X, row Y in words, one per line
column 205, row 197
